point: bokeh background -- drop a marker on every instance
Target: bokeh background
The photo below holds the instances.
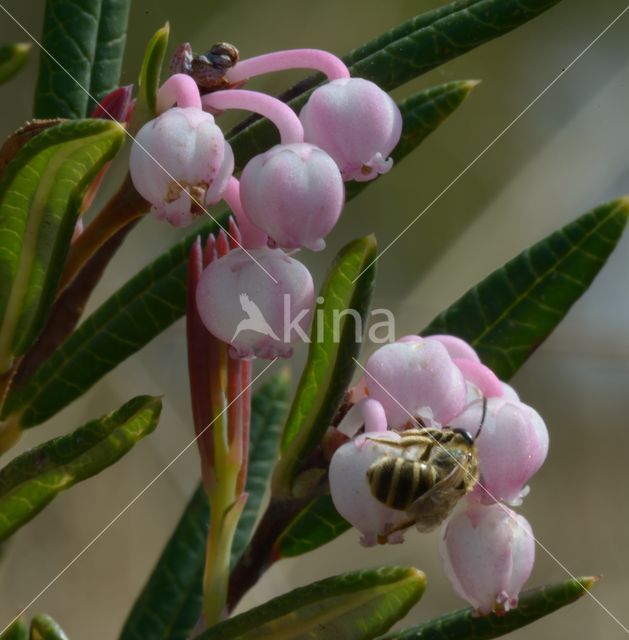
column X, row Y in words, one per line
column 567, row 154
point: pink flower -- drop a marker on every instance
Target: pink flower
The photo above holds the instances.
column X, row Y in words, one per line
column 351, row 492
column 512, row 446
column 415, row 379
column 259, row 301
column 357, row 123
column 488, row 553
column 180, row 162
column 294, row 193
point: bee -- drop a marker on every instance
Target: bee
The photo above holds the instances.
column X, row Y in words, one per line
column 430, row 471
column 207, row 70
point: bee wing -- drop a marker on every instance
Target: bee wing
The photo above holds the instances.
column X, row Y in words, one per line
column 435, row 505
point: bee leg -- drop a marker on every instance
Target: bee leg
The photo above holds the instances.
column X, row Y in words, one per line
column 392, row 533
column 425, row 456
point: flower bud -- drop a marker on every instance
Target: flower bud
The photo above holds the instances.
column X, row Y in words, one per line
column 352, row 495
column 357, row 123
column 488, row 553
column 415, row 379
column 259, row 301
column 180, row 163
column 294, row 193
column 512, row 446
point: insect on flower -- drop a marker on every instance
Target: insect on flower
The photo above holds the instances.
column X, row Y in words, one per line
column 430, row 471
column 207, row 70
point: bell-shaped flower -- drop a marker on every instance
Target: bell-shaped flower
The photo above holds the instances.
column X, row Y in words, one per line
column 351, row 492
column 414, row 379
column 181, row 163
column 294, row 193
column 357, row 123
column 488, row 553
column 258, row 301
column 512, row 446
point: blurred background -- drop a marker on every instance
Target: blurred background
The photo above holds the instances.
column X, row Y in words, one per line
column 566, row 155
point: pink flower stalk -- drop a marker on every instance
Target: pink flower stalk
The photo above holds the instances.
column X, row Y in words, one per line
column 180, row 162
column 357, row 123
column 252, row 236
column 179, row 89
column 258, row 301
column 279, row 113
column 512, row 446
column 315, row 59
column 488, row 554
column 415, row 379
column 352, row 495
column 295, row 193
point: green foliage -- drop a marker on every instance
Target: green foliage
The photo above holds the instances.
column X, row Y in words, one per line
column 512, row 311
column 16, row 631
column 40, row 194
column 317, row 524
column 32, row 480
column 44, row 627
column 110, row 44
column 357, row 606
column 170, row 604
column 464, row 625
column 407, row 51
column 12, row 58
column 336, row 339
column 151, row 70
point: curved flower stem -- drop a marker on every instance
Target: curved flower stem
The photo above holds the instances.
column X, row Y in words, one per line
column 280, row 114
column 367, row 412
column 252, row 237
column 179, row 89
column 316, row 59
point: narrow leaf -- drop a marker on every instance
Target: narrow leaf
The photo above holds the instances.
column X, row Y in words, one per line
column 16, row 631
column 405, row 52
column 110, row 44
column 12, row 58
column 35, row 478
column 43, row 627
column 151, row 70
column 357, row 606
column 40, row 195
column 512, row 311
column 170, row 604
column 268, row 412
column 316, row 525
column 464, row 624
column 422, row 114
column 69, row 40
column 336, row 336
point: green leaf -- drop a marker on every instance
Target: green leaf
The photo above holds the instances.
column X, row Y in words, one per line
column 268, row 412
column 407, row 51
column 355, row 606
column 534, row 604
column 316, row 525
column 12, row 58
column 43, row 627
column 170, row 604
column 32, row 480
column 146, row 305
column 336, row 337
column 512, row 311
column 151, row 70
column 69, row 40
column 40, row 194
column 16, row 631
column 422, row 114
column 110, row 44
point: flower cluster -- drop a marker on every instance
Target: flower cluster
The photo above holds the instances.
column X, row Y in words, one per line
column 431, row 426
column 288, row 198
